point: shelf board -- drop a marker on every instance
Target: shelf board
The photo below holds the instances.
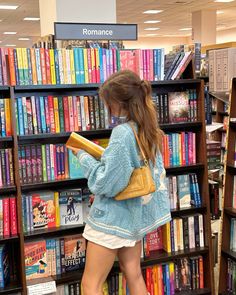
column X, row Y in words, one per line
column 180, row 126
column 6, row 139
column 181, row 169
column 187, row 211
column 4, row 88
column 63, row 230
column 10, row 239
column 230, row 211
column 55, row 183
column 11, row 288
column 176, row 82
column 8, row 189
column 229, row 254
column 223, row 113
column 65, row 135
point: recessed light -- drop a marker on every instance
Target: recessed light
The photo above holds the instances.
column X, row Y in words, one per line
column 224, row 1
column 23, row 39
column 8, row 6
column 151, row 29
column 9, row 33
column 152, row 11
column 10, row 45
column 151, row 35
column 152, row 21
column 219, row 12
column 185, row 29
column 32, row 18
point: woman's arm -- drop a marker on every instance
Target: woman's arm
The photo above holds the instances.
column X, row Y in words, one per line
column 111, row 174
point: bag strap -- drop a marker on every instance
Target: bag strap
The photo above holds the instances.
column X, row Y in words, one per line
column 139, row 145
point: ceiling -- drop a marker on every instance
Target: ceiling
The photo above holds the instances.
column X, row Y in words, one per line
column 175, row 15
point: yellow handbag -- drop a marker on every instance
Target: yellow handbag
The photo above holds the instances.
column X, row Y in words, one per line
column 141, row 182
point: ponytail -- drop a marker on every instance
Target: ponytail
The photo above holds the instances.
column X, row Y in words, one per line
column 134, row 97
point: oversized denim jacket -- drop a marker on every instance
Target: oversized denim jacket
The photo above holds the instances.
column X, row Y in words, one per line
column 132, row 218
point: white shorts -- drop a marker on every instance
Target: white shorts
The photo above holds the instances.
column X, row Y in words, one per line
column 106, row 240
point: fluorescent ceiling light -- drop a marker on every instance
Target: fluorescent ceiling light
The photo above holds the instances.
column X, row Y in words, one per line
column 152, row 11
column 23, row 39
column 10, row 45
column 9, row 33
column 151, row 35
column 32, row 18
column 152, row 21
column 8, row 6
column 219, row 12
column 224, row 1
column 185, row 29
column 152, row 29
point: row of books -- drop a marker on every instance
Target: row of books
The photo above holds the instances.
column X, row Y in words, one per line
column 179, row 149
column 35, row 66
column 176, row 107
column 50, row 114
column 8, row 217
column 4, row 266
column 5, row 117
column 233, row 235
column 184, row 274
column 51, row 209
column 231, row 276
column 6, row 167
column 42, row 163
column 186, row 232
column 213, row 154
column 184, row 191
column 45, row 258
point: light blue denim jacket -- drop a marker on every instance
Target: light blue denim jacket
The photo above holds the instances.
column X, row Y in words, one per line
column 132, row 218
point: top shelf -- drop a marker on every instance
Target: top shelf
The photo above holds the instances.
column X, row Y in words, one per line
column 97, row 85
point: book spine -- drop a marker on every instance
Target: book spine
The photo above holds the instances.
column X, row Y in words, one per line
column 38, row 114
column 42, row 113
column 34, row 115
column 6, row 218
column 38, row 66
column 11, row 167
column 1, row 218
column 47, row 115
column 48, row 68
column 13, row 219
column 75, row 112
column 39, row 163
column 57, row 71
column 52, row 164
column 71, row 113
column 28, row 164
column 56, row 114
column 62, row 248
column 51, row 114
column 33, row 163
column 34, row 67
column 61, row 113
column 52, row 66
column 29, row 66
column 44, row 163
column 48, row 162
column 11, row 66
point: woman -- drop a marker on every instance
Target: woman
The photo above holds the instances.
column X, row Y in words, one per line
column 116, row 228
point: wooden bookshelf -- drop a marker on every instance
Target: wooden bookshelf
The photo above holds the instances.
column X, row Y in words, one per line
column 228, row 211
column 200, row 168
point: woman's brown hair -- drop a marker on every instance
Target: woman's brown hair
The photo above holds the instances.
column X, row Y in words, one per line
column 126, row 89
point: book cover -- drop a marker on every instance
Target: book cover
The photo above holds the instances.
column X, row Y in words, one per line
column 75, row 249
column 44, row 210
column 36, row 260
column 154, row 241
column 4, row 266
column 13, row 216
column 178, row 106
column 6, row 217
column 74, row 166
column 71, row 210
column 184, row 191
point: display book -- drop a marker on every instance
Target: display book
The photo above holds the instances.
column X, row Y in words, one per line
column 151, row 257
column 228, row 228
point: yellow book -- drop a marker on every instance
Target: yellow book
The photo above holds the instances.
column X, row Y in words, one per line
column 52, row 66
column 166, row 237
column 64, row 65
column 20, row 66
column 72, row 66
column 86, row 77
column 77, row 141
column 56, row 201
column 93, row 65
column 24, row 58
column 155, row 282
column 7, row 108
column 56, row 114
column 120, row 283
column 97, row 65
column 105, row 289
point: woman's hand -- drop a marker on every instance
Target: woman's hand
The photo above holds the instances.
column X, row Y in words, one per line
column 74, row 150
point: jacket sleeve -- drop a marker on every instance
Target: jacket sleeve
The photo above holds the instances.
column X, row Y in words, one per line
column 111, row 174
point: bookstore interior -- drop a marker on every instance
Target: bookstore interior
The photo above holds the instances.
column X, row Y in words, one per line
column 54, row 55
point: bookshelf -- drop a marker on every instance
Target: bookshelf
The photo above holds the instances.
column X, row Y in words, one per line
column 228, row 194
column 200, row 168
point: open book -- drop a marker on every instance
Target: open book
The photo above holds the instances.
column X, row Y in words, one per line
column 77, row 141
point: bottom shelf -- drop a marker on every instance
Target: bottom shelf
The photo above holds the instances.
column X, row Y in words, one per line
column 11, row 288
